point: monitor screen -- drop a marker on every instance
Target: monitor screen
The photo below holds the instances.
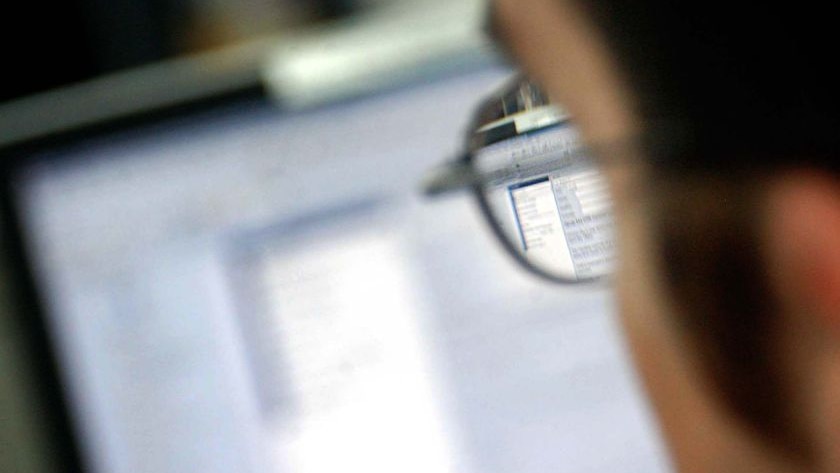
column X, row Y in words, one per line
column 247, row 290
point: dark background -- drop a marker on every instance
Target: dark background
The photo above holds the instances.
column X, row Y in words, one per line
column 49, row 43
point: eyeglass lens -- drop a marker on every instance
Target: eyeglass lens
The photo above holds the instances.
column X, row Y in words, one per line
column 547, row 199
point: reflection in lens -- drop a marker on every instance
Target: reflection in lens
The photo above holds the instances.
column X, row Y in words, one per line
column 550, row 202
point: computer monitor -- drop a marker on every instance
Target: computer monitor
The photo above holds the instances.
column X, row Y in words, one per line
column 237, row 288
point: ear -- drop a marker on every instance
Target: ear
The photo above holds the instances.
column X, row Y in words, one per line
column 803, row 235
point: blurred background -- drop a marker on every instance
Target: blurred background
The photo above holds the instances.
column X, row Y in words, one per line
column 52, row 43
column 216, row 256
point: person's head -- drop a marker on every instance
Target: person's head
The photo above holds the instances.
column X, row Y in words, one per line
column 729, row 221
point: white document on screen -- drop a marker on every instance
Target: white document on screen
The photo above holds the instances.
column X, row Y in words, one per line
column 365, row 395
column 540, row 226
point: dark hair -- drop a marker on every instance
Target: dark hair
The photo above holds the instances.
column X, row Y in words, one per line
column 725, row 85
column 728, row 95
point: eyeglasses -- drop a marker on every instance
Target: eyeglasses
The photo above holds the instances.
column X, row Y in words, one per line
column 541, row 192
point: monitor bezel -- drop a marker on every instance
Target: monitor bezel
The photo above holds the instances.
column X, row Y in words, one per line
column 60, row 428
